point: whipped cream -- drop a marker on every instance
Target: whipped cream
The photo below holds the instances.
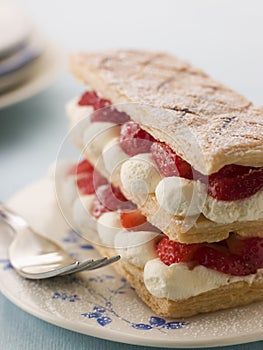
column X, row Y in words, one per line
column 136, row 247
column 248, row 209
column 184, row 197
column 79, row 118
column 140, row 176
column 81, row 213
column 97, row 135
column 180, row 196
column 108, row 225
column 178, row 282
column 113, row 155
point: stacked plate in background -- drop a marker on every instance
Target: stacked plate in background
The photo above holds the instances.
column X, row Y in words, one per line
column 28, row 61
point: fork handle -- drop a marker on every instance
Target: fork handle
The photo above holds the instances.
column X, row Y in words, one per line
column 11, row 218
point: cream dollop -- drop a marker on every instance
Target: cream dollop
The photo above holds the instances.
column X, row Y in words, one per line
column 178, row 282
column 79, row 118
column 97, row 135
column 180, row 196
column 108, row 225
column 113, row 155
column 136, row 247
column 140, row 176
column 81, row 213
column 248, row 209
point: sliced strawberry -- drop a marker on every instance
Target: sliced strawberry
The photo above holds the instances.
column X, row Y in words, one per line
column 88, row 182
column 132, row 218
column 235, row 256
column 110, row 114
column 85, row 183
column 109, row 198
column 251, row 249
column 174, row 252
column 82, row 167
column 134, row 140
column 169, row 163
column 231, row 264
column 234, row 182
column 90, row 98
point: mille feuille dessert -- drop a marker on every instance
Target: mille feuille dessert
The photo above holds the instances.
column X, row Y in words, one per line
column 172, row 179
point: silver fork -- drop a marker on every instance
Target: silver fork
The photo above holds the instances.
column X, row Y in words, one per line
column 34, row 256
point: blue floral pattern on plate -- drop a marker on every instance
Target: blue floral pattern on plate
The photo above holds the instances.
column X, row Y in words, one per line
column 105, row 312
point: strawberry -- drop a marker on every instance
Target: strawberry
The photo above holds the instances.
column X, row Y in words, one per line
column 85, row 183
column 174, row 252
column 234, row 182
column 82, row 167
column 251, row 249
column 169, row 163
column 235, row 256
column 90, row 98
column 88, row 179
column 231, row 264
column 132, row 218
column 134, row 140
column 109, row 198
column 109, row 114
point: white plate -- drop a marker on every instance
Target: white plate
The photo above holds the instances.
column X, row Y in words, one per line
column 39, row 74
column 102, row 304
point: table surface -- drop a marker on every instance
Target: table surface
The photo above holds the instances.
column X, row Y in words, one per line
column 221, row 37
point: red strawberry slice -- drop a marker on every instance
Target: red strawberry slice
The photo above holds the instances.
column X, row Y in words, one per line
column 109, row 198
column 90, row 98
column 169, row 163
column 85, row 183
column 251, row 249
column 109, row 114
column 134, row 140
column 171, row 252
column 132, row 218
column 234, row 182
column 231, row 264
column 88, row 182
column 235, row 256
column 82, row 167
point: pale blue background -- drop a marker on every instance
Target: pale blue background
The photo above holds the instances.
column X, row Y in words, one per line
column 223, row 37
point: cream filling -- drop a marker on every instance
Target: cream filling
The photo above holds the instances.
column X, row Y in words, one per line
column 178, row 282
column 113, row 155
column 108, row 225
column 181, row 197
column 136, row 247
column 175, row 282
column 140, row 176
column 81, row 213
column 79, row 119
column 184, row 197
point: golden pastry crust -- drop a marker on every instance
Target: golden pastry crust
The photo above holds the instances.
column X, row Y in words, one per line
column 204, row 122
column 225, row 297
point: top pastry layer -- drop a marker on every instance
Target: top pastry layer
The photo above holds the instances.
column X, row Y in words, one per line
column 206, row 123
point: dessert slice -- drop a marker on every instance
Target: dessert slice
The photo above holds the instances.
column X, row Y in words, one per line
column 188, row 152
column 174, row 279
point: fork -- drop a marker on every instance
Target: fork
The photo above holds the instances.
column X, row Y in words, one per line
column 34, row 256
